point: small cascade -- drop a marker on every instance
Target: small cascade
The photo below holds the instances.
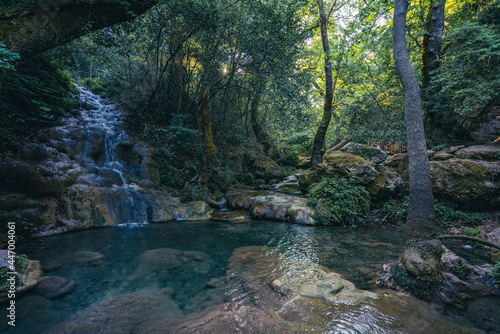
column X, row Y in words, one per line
column 105, row 134
column 289, row 186
column 223, row 204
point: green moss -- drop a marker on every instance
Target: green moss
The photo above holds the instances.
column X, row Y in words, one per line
column 21, row 263
column 412, row 284
column 462, row 270
column 495, row 273
column 338, row 201
column 343, row 158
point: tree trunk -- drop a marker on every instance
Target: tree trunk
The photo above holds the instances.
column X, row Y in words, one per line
column 431, row 49
column 209, row 149
column 319, row 138
column 422, row 255
column 259, row 131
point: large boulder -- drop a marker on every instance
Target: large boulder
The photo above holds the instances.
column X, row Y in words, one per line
column 372, row 154
column 268, row 205
column 472, row 184
column 380, row 183
column 130, row 313
column 480, row 152
column 484, row 124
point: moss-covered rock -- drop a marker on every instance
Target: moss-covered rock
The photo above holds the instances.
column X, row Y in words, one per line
column 480, row 152
column 372, row 154
column 195, row 210
column 472, row 184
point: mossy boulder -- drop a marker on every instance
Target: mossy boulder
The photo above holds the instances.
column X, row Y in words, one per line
column 471, row 184
column 345, row 165
column 380, row 183
column 398, row 161
column 268, row 205
column 195, row 210
column 372, row 154
column 480, row 152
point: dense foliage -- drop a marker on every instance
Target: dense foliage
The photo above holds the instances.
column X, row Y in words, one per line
column 338, row 202
column 263, row 64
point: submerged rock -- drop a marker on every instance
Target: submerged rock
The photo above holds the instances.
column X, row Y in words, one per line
column 53, row 287
column 225, row 318
column 130, row 313
column 160, row 259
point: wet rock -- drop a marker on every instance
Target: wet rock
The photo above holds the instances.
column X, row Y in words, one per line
column 267, row 205
column 472, row 184
column 25, row 280
column 452, row 263
column 480, row 152
column 53, row 287
column 319, row 282
column 196, row 210
column 225, row 318
column 130, row 313
column 198, row 256
column 230, row 216
column 372, row 154
column 160, row 259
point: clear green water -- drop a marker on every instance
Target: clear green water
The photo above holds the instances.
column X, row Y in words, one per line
column 350, row 252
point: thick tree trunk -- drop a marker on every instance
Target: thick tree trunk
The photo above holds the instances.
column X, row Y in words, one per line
column 209, row 149
column 422, row 255
column 259, row 131
column 319, row 138
column 29, row 29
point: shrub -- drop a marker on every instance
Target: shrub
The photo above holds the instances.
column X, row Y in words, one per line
column 496, row 272
column 289, row 155
column 338, row 201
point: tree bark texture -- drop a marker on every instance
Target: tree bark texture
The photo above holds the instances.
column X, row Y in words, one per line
column 259, row 131
column 30, row 29
column 433, row 39
column 319, row 138
column 422, row 255
column 209, row 149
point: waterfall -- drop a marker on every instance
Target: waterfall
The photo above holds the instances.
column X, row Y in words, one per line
column 102, row 154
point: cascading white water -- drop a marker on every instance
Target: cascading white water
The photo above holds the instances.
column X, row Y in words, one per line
column 105, row 128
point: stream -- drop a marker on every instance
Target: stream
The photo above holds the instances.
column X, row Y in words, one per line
column 109, row 262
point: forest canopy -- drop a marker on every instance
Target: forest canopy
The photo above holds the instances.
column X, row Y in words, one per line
column 262, row 62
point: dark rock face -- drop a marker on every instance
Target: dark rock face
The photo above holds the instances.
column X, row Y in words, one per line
column 33, row 28
column 83, row 173
column 130, row 313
